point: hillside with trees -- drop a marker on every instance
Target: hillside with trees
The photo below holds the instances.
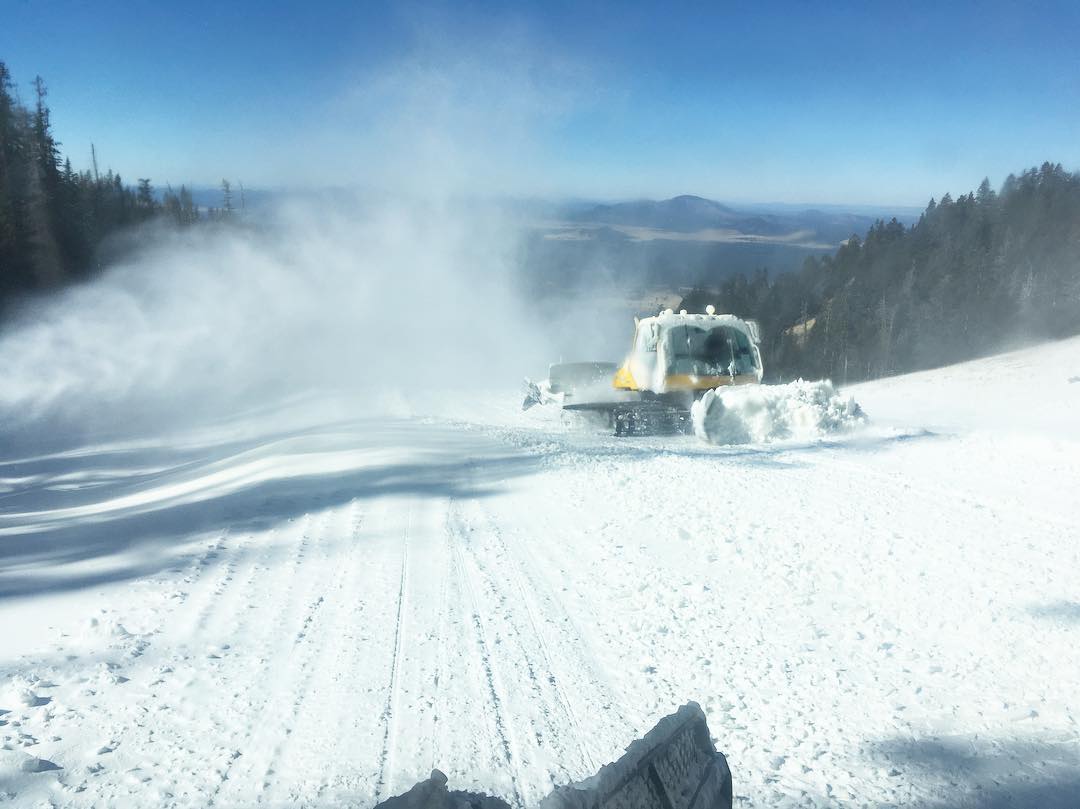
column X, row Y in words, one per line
column 53, row 219
column 980, row 274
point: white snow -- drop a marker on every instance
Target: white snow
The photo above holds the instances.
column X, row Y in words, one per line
column 318, row 615
column 767, row 413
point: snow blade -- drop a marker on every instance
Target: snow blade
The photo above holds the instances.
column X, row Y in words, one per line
column 533, row 394
column 675, row 766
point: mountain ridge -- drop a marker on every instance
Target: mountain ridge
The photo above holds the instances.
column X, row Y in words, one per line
column 689, row 213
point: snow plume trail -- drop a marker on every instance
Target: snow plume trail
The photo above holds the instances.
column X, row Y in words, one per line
column 353, row 298
column 348, row 297
column 363, row 301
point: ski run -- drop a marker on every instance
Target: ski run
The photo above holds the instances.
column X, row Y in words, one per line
column 319, row 615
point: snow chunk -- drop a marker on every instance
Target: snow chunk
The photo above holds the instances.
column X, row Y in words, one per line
column 763, row 413
column 21, row 690
column 34, row 765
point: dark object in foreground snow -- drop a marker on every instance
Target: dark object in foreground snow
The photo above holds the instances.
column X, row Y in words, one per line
column 675, row 766
column 433, row 794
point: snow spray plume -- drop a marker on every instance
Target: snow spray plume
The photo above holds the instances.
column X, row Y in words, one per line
column 397, row 296
column 403, row 290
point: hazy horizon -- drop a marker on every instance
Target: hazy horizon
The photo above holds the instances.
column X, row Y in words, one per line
column 210, row 193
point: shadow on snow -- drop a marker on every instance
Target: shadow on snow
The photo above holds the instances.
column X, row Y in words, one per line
column 1065, row 611
column 981, row 773
column 137, row 536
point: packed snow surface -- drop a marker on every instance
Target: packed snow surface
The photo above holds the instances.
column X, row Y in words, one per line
column 316, row 612
column 762, row 414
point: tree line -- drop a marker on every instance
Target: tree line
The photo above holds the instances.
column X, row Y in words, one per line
column 54, row 220
column 977, row 275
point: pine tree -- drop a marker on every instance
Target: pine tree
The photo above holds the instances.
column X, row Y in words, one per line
column 54, row 219
column 43, row 195
column 9, row 259
column 145, row 198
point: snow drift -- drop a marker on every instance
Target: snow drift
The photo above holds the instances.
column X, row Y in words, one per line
column 763, row 413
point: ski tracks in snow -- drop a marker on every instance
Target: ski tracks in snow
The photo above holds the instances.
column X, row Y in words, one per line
column 323, row 651
column 494, row 688
column 389, row 713
column 326, row 659
column 531, row 666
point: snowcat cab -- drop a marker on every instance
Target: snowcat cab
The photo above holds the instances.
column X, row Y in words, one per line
column 674, row 360
column 681, row 352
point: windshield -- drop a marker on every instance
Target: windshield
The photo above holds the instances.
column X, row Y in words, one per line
column 716, row 351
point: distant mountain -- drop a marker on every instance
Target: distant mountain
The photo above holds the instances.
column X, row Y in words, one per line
column 684, row 214
column 683, row 241
column 689, row 214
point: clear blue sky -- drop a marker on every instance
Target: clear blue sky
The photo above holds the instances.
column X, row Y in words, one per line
column 884, row 103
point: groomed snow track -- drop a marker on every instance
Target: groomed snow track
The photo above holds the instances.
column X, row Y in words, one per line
column 319, row 617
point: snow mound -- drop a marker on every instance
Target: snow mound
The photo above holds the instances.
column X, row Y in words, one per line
column 763, row 413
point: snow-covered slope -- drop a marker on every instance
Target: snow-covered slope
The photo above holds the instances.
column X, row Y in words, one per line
column 318, row 616
column 1032, row 392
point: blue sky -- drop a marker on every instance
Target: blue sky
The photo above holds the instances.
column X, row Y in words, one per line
column 860, row 103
